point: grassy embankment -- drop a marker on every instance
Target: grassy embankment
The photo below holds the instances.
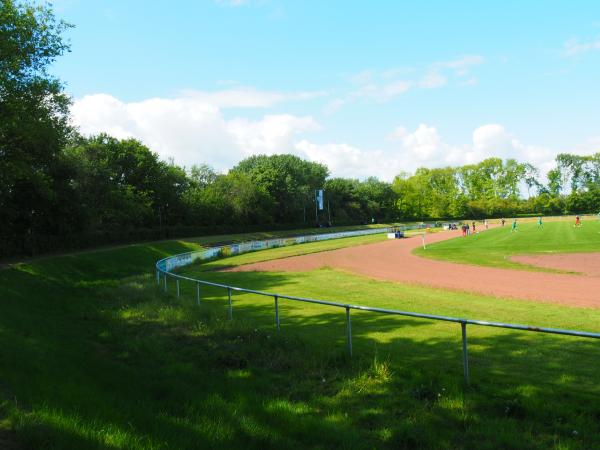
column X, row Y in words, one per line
column 496, row 246
column 94, row 355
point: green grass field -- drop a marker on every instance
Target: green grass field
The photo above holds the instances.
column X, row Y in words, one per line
column 95, row 355
column 495, row 246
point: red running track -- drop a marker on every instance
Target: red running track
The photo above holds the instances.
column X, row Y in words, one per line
column 393, row 260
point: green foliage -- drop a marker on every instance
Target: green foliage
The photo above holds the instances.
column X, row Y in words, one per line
column 581, row 172
column 125, row 185
column 33, row 125
column 59, row 190
column 360, row 201
column 289, row 182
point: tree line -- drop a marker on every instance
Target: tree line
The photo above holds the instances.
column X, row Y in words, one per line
column 61, row 190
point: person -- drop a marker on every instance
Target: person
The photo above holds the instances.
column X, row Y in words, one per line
column 502, row 220
column 464, row 230
column 514, row 226
column 473, row 227
column 577, row 221
column 485, row 224
column 540, row 223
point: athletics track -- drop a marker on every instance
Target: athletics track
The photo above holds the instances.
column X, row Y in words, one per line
column 393, row 260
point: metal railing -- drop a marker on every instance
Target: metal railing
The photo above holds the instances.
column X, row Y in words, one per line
column 161, row 271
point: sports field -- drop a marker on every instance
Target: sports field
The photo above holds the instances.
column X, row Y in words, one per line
column 496, row 246
column 95, row 355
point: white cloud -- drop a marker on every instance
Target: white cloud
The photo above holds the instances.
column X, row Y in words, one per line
column 386, row 85
column 271, row 134
column 432, row 80
column 333, row 106
column 397, row 134
column 491, row 137
column 393, row 89
column 363, row 77
column 188, row 129
column 345, row 160
column 246, row 97
column 575, row 47
column 589, row 147
column 469, row 82
column 424, row 147
column 192, row 130
column 380, row 92
column 461, row 65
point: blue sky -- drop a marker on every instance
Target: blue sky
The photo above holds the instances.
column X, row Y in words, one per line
column 369, row 88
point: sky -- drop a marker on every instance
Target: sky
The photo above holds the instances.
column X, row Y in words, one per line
column 368, row 88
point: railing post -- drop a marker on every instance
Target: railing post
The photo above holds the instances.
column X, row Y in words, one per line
column 230, row 304
column 349, row 331
column 177, row 283
column 277, row 311
column 198, row 294
column 166, row 273
column 463, row 326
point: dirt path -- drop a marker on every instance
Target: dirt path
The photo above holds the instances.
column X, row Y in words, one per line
column 582, row 263
column 392, row 260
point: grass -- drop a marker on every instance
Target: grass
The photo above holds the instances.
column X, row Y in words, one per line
column 289, row 251
column 94, row 355
column 495, row 247
column 295, row 250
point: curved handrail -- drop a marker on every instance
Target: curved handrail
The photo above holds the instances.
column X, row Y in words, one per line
column 165, row 265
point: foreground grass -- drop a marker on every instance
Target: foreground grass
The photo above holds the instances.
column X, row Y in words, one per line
column 94, row 355
column 494, row 247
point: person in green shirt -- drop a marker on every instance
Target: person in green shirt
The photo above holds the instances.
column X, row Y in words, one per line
column 514, row 226
column 540, row 223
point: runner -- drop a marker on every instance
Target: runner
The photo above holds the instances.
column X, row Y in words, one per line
column 514, row 226
column 577, row 221
column 540, row 223
column 502, row 220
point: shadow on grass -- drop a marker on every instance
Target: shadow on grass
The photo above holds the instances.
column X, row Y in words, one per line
column 101, row 362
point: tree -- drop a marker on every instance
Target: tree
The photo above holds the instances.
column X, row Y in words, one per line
column 287, row 179
column 343, row 197
column 202, row 175
column 33, row 122
column 376, row 198
column 531, row 175
column 555, row 183
column 122, row 184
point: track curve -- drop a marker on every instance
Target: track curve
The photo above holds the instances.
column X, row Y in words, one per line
column 393, row 261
